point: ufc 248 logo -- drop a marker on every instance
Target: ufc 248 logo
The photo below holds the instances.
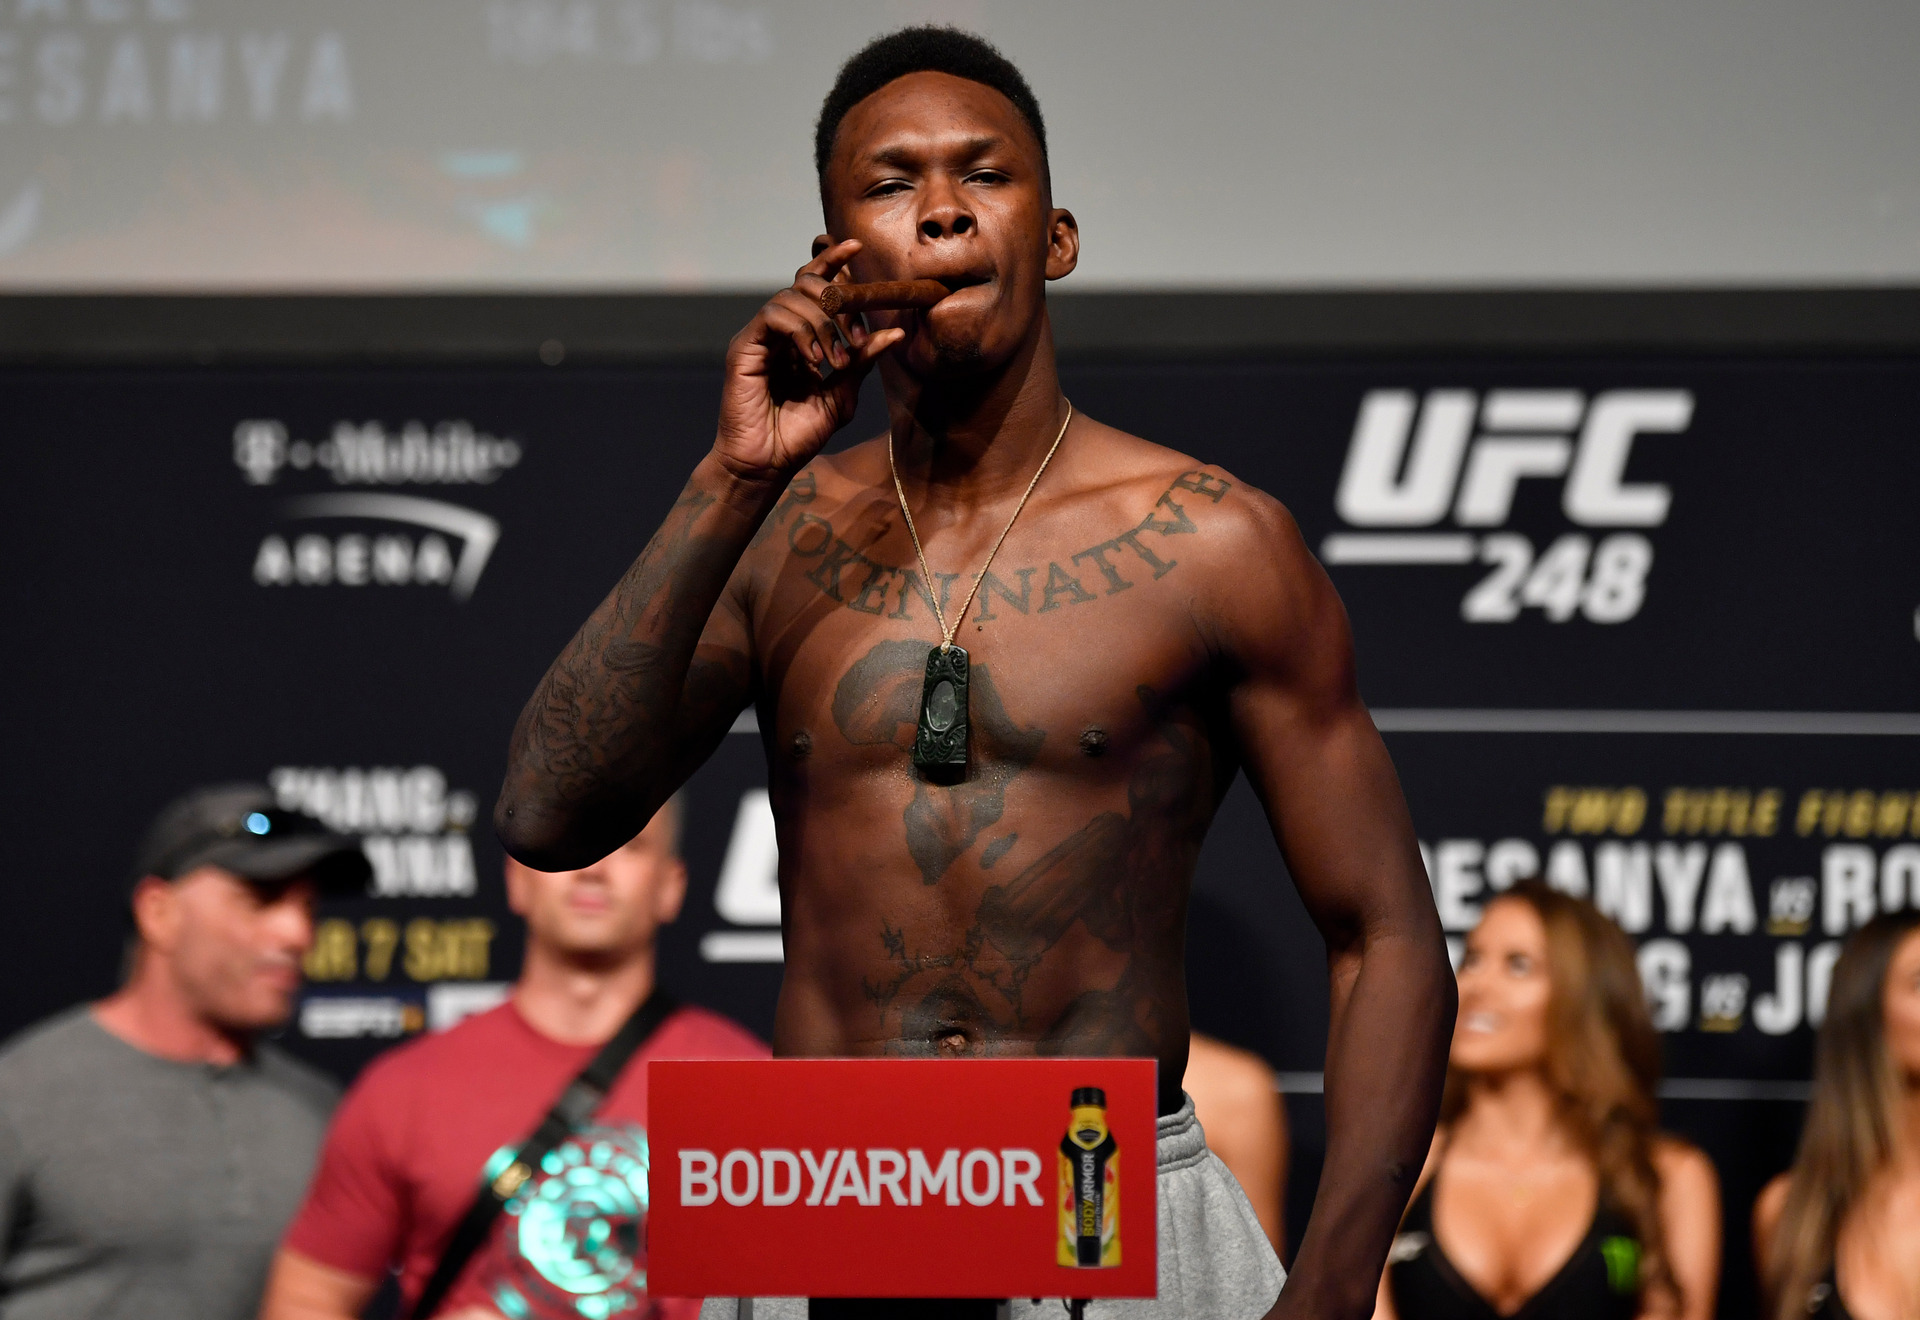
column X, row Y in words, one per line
column 1450, row 464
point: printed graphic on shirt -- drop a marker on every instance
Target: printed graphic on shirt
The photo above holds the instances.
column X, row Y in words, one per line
column 571, row 1244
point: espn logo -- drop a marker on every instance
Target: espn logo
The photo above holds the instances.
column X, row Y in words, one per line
column 1456, row 456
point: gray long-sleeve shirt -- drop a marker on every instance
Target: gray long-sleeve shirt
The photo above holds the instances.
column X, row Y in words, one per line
column 135, row 1186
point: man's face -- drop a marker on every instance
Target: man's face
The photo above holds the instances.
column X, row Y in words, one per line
column 941, row 178
column 233, row 947
column 610, row 910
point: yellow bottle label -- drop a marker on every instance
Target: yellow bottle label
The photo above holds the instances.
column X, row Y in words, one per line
column 1089, row 1192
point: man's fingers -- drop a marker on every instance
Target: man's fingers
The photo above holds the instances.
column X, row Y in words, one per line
column 877, row 343
column 826, row 344
column 839, row 353
column 782, row 322
column 826, row 330
column 828, row 263
column 808, row 309
column 813, row 346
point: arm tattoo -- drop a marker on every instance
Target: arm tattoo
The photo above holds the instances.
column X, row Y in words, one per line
column 603, row 740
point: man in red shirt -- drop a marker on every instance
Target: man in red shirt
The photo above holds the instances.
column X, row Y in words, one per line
column 411, row 1142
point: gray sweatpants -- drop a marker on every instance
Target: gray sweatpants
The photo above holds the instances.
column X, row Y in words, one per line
column 1214, row 1260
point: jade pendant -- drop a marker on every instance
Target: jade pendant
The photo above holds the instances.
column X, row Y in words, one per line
column 940, row 742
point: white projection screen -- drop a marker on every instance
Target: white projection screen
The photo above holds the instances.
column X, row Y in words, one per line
column 665, row 144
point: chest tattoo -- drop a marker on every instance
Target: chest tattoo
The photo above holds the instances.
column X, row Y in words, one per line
column 831, row 560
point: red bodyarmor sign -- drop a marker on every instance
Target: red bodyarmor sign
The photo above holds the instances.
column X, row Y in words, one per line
column 902, row 1178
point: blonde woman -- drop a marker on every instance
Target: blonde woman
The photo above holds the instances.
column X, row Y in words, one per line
column 1550, row 1191
column 1837, row 1236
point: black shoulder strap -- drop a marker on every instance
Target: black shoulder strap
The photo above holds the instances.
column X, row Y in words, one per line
column 574, row 1107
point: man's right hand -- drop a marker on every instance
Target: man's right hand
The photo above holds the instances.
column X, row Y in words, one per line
column 790, row 381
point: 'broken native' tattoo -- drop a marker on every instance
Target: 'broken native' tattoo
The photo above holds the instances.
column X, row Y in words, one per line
column 1107, row 568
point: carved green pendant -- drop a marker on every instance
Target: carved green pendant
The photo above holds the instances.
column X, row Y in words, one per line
column 940, row 743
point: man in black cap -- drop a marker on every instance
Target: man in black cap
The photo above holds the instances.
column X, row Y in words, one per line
column 151, row 1149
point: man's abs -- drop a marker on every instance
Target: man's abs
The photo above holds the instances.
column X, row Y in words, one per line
column 1037, row 907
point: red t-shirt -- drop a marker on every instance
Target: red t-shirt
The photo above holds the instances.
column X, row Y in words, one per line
column 405, row 1153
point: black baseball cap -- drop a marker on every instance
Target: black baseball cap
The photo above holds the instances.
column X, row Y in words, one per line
column 240, row 828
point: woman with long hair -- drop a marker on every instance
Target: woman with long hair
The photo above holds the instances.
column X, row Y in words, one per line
column 1838, row 1234
column 1550, row 1190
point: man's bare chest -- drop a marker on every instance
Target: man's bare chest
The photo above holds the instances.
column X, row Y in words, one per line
column 1072, row 647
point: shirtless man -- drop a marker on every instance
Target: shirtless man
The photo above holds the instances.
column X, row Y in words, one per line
column 1151, row 627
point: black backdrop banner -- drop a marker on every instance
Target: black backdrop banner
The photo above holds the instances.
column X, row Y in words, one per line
column 1648, row 627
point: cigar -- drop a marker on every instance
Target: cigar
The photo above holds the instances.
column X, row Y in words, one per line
column 888, row 295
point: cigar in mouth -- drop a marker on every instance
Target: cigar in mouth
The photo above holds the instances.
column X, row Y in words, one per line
column 886, row 296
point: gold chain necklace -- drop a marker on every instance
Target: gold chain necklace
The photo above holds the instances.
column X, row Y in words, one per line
column 940, row 742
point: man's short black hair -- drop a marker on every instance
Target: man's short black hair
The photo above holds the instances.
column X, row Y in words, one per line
column 928, row 49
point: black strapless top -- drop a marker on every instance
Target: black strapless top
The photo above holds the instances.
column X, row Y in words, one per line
column 1599, row 1281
